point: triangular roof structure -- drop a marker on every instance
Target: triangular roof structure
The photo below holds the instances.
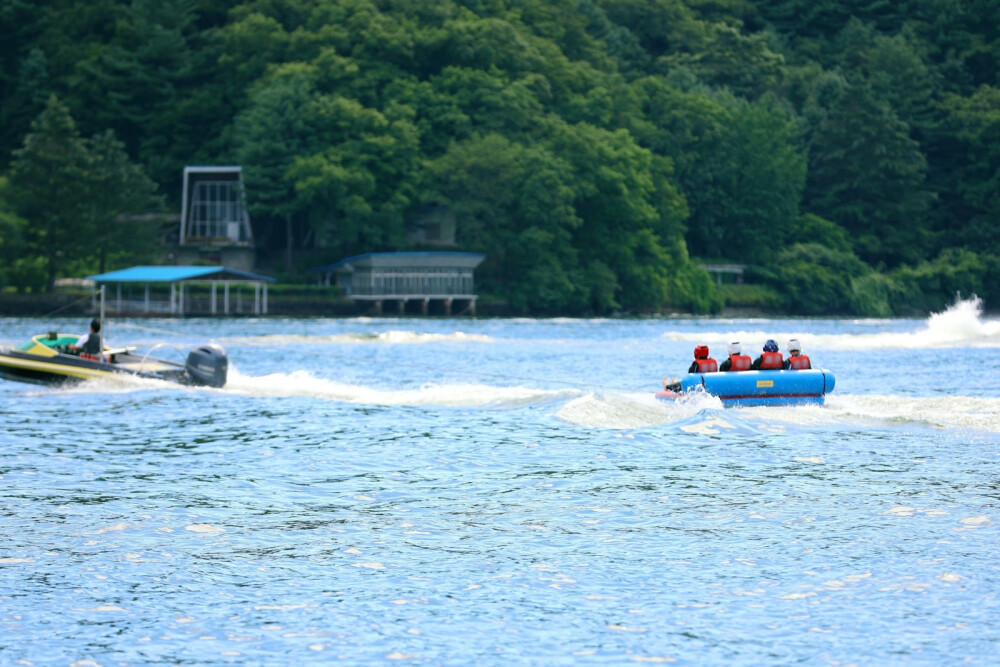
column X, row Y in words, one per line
column 175, row 274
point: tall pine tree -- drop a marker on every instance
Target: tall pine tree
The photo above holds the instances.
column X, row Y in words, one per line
column 49, row 189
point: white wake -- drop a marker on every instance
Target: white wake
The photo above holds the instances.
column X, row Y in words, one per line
column 304, row 384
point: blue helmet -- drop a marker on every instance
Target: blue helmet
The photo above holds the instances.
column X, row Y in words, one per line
column 770, row 346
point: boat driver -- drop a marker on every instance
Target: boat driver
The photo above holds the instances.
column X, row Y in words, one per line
column 89, row 345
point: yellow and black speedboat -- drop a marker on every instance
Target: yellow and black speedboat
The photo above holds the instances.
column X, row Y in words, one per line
column 48, row 359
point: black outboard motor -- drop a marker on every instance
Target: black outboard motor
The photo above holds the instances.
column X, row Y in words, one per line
column 207, row 365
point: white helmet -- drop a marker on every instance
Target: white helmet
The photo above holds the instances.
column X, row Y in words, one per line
column 735, row 348
column 794, row 346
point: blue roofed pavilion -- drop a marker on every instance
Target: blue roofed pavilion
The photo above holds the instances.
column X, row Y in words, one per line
column 421, row 276
column 157, row 278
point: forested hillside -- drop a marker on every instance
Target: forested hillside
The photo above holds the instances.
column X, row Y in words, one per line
column 848, row 151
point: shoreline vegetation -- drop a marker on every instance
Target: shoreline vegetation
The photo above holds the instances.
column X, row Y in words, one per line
column 299, row 303
column 596, row 151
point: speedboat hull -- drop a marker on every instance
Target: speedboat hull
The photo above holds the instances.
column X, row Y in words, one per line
column 754, row 388
column 45, row 359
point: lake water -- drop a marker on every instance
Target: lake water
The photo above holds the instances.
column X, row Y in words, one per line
column 498, row 491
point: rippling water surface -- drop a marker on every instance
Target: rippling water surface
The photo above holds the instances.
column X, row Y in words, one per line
column 454, row 491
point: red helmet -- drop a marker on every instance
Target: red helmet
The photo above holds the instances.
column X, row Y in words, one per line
column 701, row 352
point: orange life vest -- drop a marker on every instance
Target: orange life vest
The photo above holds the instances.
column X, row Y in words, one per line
column 771, row 361
column 739, row 362
column 707, row 365
column 799, row 362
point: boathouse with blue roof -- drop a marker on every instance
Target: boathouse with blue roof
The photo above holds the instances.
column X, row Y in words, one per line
column 202, row 299
column 404, row 277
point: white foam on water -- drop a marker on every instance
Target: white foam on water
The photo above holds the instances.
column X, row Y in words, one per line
column 945, row 412
column 395, row 337
column 961, row 325
column 304, row 384
column 625, row 411
column 120, row 383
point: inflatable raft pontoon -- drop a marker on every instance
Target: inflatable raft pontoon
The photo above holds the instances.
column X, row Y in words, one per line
column 751, row 388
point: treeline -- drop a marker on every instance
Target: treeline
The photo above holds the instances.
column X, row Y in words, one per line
column 848, row 150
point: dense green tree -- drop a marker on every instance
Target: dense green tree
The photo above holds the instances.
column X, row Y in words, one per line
column 123, row 206
column 356, row 189
column 624, row 208
column 627, row 131
column 811, row 26
column 133, row 84
column 934, row 284
column 11, row 238
column 815, row 280
column 517, row 204
column 962, row 38
column 49, row 189
column 867, row 174
column 739, row 165
column 269, row 135
column 973, row 199
column 662, row 27
column 25, row 81
column 28, row 94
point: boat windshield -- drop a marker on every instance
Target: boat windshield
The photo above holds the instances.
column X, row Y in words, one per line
column 49, row 340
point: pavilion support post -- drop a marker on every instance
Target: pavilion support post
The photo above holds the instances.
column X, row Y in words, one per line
column 119, row 305
column 225, row 298
column 173, row 298
column 180, row 300
column 215, row 285
column 256, row 299
column 146, row 304
column 265, row 298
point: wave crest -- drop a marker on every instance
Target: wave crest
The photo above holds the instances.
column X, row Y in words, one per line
column 961, row 325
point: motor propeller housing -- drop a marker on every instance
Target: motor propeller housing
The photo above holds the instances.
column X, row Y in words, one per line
column 207, row 365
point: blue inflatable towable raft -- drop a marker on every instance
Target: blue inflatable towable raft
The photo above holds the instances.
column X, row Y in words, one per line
column 750, row 388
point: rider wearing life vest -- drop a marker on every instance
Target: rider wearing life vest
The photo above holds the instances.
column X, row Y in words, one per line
column 796, row 360
column 737, row 361
column 88, row 346
column 770, row 359
column 702, row 362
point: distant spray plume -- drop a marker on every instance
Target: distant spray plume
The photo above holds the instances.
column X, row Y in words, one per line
column 961, row 325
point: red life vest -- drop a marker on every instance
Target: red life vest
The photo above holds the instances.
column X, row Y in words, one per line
column 799, row 362
column 771, row 361
column 707, row 365
column 739, row 362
